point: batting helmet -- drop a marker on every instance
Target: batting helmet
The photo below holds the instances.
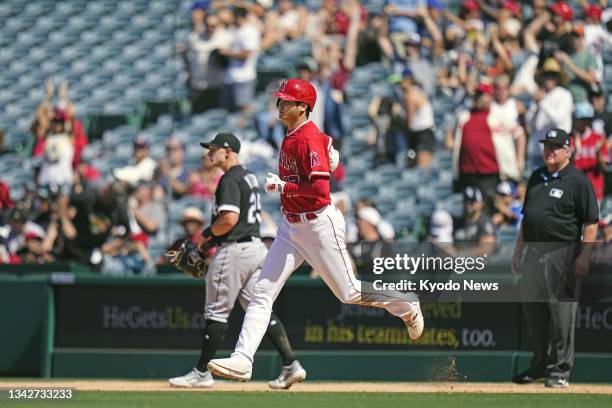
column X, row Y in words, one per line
column 297, row 90
column 563, row 10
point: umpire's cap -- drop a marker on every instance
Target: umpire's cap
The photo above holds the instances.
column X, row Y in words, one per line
column 224, row 140
column 557, row 136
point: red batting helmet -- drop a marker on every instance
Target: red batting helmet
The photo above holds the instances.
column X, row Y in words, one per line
column 297, row 90
column 563, row 10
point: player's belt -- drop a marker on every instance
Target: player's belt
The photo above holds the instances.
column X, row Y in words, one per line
column 293, row 218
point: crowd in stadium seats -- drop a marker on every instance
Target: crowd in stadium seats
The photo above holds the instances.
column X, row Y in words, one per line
column 436, row 107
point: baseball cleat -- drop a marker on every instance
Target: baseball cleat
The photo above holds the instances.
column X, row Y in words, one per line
column 193, row 379
column 557, row 382
column 526, row 377
column 234, row 368
column 414, row 322
column 289, row 375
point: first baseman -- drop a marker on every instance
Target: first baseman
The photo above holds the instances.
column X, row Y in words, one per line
column 236, row 265
column 312, row 229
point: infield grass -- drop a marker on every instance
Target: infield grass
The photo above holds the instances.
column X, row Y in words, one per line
column 91, row 399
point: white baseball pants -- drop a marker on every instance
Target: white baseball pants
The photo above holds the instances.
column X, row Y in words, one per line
column 321, row 242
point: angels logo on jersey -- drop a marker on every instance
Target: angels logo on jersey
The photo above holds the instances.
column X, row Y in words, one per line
column 288, row 163
column 314, row 159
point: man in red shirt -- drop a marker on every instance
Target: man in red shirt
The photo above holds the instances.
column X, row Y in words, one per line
column 312, row 229
column 589, row 148
column 477, row 159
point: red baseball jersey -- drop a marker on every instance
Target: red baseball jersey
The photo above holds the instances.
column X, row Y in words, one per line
column 304, row 154
column 585, row 159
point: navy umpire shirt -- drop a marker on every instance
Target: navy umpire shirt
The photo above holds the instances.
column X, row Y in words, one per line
column 557, row 205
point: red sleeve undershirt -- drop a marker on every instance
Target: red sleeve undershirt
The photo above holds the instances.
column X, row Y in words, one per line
column 317, row 187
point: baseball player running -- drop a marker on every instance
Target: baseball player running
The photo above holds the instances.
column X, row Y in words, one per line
column 236, row 265
column 311, row 229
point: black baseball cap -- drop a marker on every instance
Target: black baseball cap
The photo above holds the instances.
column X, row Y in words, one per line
column 224, row 140
column 557, row 136
column 472, row 194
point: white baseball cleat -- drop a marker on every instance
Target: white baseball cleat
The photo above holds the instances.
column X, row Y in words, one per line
column 290, row 375
column 235, row 368
column 193, row 379
column 414, row 322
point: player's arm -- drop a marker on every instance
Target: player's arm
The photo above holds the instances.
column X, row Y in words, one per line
column 226, row 221
column 229, row 212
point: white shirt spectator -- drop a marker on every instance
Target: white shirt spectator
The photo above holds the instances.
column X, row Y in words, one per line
column 246, row 38
column 505, row 129
column 553, row 111
column 136, row 173
column 56, row 169
column 199, row 47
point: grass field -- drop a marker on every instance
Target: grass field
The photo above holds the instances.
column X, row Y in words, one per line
column 92, row 399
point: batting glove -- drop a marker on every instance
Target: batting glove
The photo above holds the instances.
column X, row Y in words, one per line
column 274, row 184
column 334, row 159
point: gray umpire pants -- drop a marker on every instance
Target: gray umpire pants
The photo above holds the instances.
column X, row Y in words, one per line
column 549, row 294
column 232, row 275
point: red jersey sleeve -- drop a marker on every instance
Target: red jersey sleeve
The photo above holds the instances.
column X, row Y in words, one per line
column 316, row 156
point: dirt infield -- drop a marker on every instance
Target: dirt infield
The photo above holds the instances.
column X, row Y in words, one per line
column 458, row 387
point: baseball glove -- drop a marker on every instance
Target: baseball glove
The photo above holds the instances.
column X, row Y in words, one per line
column 187, row 259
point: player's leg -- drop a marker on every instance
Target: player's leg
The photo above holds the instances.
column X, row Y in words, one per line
column 281, row 261
column 325, row 250
column 292, row 371
column 222, row 288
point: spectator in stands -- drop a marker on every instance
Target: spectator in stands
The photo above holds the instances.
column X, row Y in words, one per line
column 474, row 153
column 193, row 222
column 336, row 58
column 420, row 67
column 373, row 42
column 269, row 127
column 73, row 126
column 42, row 122
column 508, row 135
column 363, row 230
column 14, row 235
column 440, row 227
column 551, row 108
column 5, row 198
column 206, row 67
column 143, row 167
column 172, row 174
column 403, row 20
column 56, row 170
column 507, row 206
column 372, row 230
column 579, row 65
column 241, row 76
column 203, row 181
column 419, row 119
column 148, row 213
column 387, row 128
column 590, row 152
column 602, row 121
column 596, row 37
column 98, row 214
column 474, row 233
column 287, row 22
column 125, row 255
column 308, row 70
column 34, row 251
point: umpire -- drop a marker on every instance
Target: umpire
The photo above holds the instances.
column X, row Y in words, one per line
column 560, row 212
column 236, row 266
